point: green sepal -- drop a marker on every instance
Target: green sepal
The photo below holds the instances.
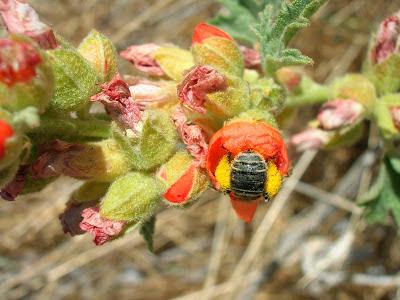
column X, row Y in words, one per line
column 90, row 191
column 75, row 81
column 153, row 145
column 384, row 195
column 174, row 61
column 266, row 94
column 101, row 54
column 147, row 231
column 345, row 137
column 71, row 130
column 257, row 115
column 220, row 53
column 131, row 198
column 383, row 118
column 356, row 87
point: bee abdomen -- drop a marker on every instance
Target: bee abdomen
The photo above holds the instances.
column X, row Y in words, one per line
column 248, row 175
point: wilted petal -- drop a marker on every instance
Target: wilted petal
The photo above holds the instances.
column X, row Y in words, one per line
column 141, row 56
column 395, row 112
column 193, row 136
column 15, row 187
column 387, row 39
column 18, row 61
column 150, row 93
column 339, row 113
column 52, row 156
column 20, row 18
column 116, row 98
column 198, row 82
column 71, row 218
column 101, row 228
column 311, row 138
column 252, row 58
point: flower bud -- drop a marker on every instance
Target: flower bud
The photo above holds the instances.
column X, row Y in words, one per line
column 20, row 18
column 153, row 145
column 75, row 81
column 311, row 138
column 153, row 94
column 101, row 54
column 101, row 228
column 267, row 95
column 289, row 78
column 339, row 113
column 142, row 57
column 395, row 112
column 133, row 197
column 174, row 61
column 387, row 39
column 252, row 58
column 200, row 81
column 212, row 46
column 184, row 179
column 99, row 161
column 116, row 97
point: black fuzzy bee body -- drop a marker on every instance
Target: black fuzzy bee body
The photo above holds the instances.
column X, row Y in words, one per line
column 248, row 175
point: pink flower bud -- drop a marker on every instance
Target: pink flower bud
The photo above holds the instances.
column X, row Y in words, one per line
column 15, row 187
column 395, row 112
column 339, row 113
column 311, row 138
column 152, row 94
column 101, row 228
column 252, row 58
column 387, row 39
column 71, row 218
column 192, row 136
column 18, row 61
column 141, row 56
column 116, row 97
column 198, row 82
column 20, row 18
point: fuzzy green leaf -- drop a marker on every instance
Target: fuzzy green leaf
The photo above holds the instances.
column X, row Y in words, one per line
column 276, row 29
column 384, row 195
column 147, row 232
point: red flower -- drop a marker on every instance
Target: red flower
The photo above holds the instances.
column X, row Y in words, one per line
column 387, row 39
column 141, row 56
column 192, row 136
column 101, row 228
column 18, row 61
column 204, row 31
column 198, row 82
column 116, row 98
column 6, row 131
column 241, row 136
column 20, row 18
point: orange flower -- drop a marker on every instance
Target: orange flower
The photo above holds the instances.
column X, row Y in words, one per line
column 263, row 147
column 204, row 31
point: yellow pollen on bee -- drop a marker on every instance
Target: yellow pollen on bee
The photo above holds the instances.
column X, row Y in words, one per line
column 223, row 173
column 274, row 180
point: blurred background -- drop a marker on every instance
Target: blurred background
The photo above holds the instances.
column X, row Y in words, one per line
column 309, row 243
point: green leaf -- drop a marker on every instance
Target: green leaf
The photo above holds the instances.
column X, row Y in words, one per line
column 276, row 29
column 147, row 232
column 384, row 196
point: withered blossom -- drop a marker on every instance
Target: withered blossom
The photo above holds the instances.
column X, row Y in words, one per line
column 311, row 138
column 251, row 57
column 198, row 82
column 141, row 56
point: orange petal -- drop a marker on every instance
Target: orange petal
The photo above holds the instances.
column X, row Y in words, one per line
column 245, row 210
column 204, row 31
column 179, row 192
column 6, row 131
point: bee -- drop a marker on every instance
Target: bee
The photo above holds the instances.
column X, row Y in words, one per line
column 248, row 176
